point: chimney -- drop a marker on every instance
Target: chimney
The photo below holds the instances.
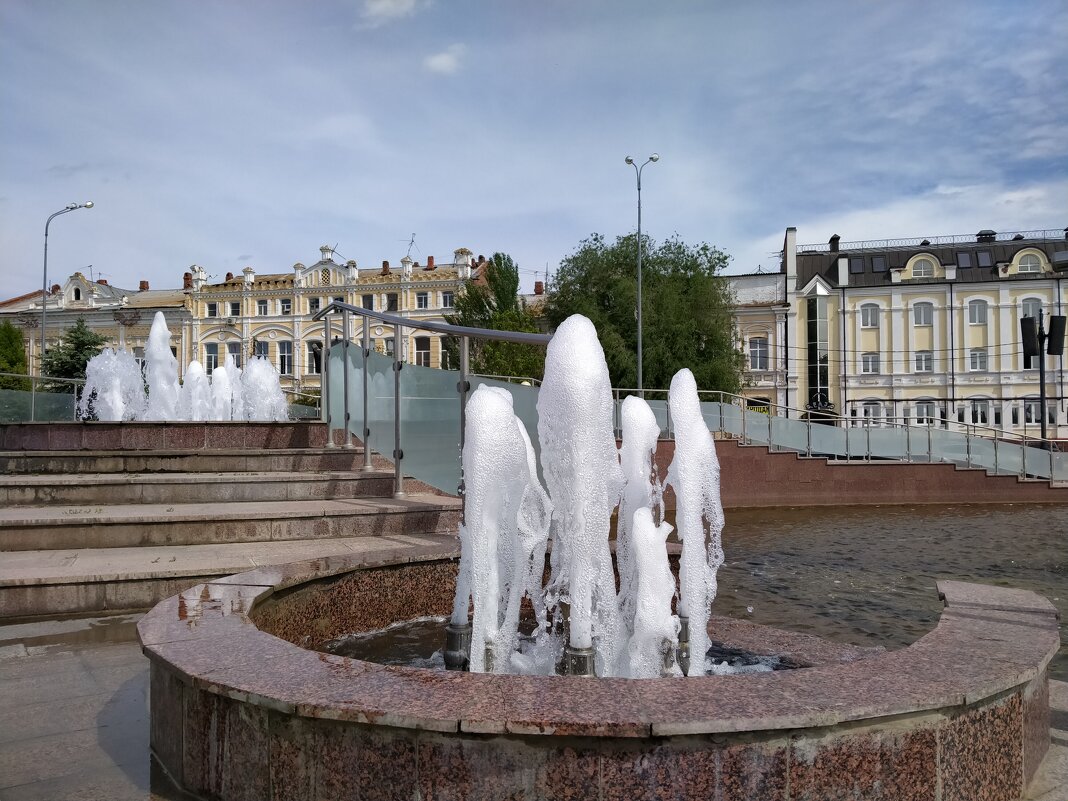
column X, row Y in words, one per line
column 327, row 252
column 385, row 267
column 229, row 276
column 56, row 289
column 539, row 287
column 986, row 235
column 834, row 243
column 102, row 281
column 143, row 286
column 187, row 280
column 430, row 262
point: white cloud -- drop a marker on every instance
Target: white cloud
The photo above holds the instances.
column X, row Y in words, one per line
column 381, row 12
column 446, row 62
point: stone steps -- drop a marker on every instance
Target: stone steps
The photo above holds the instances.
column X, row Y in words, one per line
column 196, row 487
column 232, row 460
column 132, row 525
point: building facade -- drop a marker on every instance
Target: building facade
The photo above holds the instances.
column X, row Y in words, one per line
column 923, row 331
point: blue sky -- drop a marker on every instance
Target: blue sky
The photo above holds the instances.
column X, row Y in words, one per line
column 236, row 133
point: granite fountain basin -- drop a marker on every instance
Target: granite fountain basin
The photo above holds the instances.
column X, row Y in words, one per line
column 243, row 708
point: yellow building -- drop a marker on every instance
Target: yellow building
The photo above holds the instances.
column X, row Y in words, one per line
column 923, row 331
column 270, row 314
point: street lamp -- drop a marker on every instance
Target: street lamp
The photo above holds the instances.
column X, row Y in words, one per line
column 638, row 175
column 44, row 281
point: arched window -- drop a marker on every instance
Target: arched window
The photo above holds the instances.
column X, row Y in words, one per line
column 1030, row 263
column 923, row 313
column 77, row 293
column 1031, row 307
column 872, row 411
column 923, row 268
column 869, row 315
column 980, row 411
column 926, row 412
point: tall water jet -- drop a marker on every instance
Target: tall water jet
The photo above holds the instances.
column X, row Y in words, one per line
column 194, row 401
column 264, row 399
column 162, row 373
column 226, row 403
column 694, row 475
column 581, row 467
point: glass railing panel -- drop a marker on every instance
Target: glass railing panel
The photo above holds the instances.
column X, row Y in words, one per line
column 19, row 406
column 789, row 434
column 430, row 432
column 829, row 441
column 949, row 446
column 1010, row 458
column 355, row 386
column 918, row 440
column 1060, row 466
column 380, row 416
column 888, row 443
column 981, row 452
column 336, row 386
column 730, row 418
column 660, row 412
column 712, row 412
column 757, row 428
column 1037, row 462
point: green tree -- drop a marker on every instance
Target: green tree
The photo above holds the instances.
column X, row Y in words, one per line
column 496, row 304
column 68, row 357
column 686, row 309
column 12, row 357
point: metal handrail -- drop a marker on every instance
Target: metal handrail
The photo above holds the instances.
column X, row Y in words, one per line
column 38, row 379
column 463, row 387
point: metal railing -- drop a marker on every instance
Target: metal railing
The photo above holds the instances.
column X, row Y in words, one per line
column 931, row 241
column 399, row 324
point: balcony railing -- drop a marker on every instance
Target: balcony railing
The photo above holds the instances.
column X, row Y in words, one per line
column 931, row 241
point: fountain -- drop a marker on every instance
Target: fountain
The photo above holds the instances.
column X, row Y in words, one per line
column 116, row 389
column 242, row 707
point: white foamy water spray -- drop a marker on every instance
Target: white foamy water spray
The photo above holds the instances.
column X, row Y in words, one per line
column 640, row 432
column 651, row 650
column 114, row 387
column 694, row 475
column 194, row 401
column 162, row 373
column 225, row 382
column 264, row 399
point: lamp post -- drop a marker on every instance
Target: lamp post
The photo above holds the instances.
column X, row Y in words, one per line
column 44, row 280
column 638, row 174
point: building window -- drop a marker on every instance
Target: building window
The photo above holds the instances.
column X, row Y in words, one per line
column 1030, row 263
column 878, row 264
column 977, row 360
column 924, row 361
column 285, row 306
column 977, row 312
column 314, row 305
column 77, row 293
column 980, row 412
column 446, row 300
column 869, row 363
column 964, row 259
column 261, row 308
column 389, row 346
column 211, row 357
column 391, row 302
column 869, row 316
column 1032, row 409
column 758, row 353
column 339, row 299
column 1031, row 307
column 213, row 310
column 235, row 308
column 923, row 268
column 817, row 350
column 923, row 313
column 315, row 357
column 368, row 302
column 926, row 413
column 422, row 300
column 324, row 277
column 261, row 349
column 872, row 411
column 422, row 351
column 233, row 350
column 984, row 258
column 285, row 357
column 856, row 264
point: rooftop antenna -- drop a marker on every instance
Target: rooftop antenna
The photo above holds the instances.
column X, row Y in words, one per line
column 411, row 244
column 334, row 251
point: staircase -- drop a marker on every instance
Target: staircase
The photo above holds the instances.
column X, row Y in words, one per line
column 107, row 530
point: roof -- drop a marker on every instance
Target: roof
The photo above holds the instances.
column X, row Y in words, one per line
column 824, row 262
column 153, row 298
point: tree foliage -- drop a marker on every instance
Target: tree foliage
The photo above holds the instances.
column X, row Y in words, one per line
column 12, row 357
column 496, row 304
column 686, row 309
column 68, row 357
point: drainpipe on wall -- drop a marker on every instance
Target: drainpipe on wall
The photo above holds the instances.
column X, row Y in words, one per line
column 842, row 348
column 951, row 404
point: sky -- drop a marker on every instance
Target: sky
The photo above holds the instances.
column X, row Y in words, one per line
column 233, row 133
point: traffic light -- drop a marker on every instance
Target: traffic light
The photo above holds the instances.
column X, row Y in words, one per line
column 1055, row 337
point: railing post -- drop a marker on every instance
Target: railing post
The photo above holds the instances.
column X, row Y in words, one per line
column 367, row 466
column 345, row 371
column 742, row 407
column 398, row 451
column 808, row 437
column 995, row 451
column 968, row 445
column 463, row 387
column 930, row 445
column 33, row 398
column 326, row 383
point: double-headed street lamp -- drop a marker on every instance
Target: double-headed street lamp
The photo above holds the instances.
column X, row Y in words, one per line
column 638, row 175
column 44, row 281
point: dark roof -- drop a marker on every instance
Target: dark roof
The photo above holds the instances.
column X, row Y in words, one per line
column 825, row 263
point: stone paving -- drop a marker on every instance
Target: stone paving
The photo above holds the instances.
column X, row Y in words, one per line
column 74, row 717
